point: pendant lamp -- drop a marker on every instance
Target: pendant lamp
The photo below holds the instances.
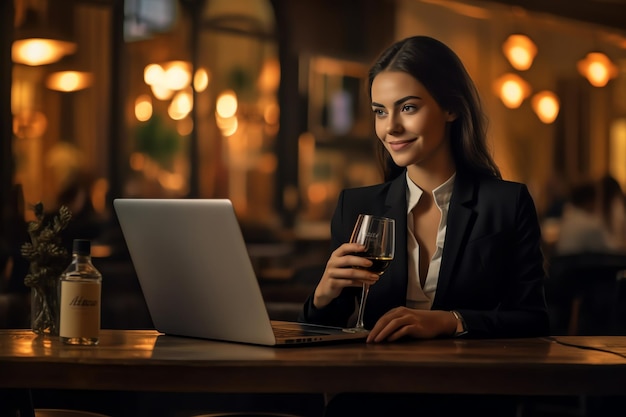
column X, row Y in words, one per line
column 36, row 43
column 520, row 50
column 512, row 90
column 546, row 106
column 597, row 68
column 68, row 81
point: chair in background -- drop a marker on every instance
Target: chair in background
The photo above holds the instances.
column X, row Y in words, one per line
column 585, row 296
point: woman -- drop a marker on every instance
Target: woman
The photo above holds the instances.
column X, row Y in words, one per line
column 468, row 258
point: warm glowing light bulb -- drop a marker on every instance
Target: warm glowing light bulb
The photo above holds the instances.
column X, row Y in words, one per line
column 161, row 92
column 143, row 108
column 228, row 126
column 226, row 104
column 597, row 68
column 177, row 75
column 520, row 55
column 180, row 106
column 153, row 74
column 201, row 80
column 598, row 72
column 546, row 106
column 67, row 81
column 512, row 90
column 37, row 51
column 520, row 51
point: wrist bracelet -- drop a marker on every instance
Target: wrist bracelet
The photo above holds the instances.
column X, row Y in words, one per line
column 459, row 319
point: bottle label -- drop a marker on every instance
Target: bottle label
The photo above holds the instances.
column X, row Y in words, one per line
column 80, row 309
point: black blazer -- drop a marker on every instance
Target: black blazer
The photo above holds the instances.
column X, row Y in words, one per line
column 492, row 267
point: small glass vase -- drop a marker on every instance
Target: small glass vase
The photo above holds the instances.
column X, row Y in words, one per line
column 45, row 309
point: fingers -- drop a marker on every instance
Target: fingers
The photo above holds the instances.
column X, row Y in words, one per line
column 404, row 322
column 343, row 269
column 345, row 257
column 391, row 326
column 346, row 266
column 390, row 334
column 353, row 277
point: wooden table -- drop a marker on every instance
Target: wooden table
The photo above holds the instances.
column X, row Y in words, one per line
column 126, row 359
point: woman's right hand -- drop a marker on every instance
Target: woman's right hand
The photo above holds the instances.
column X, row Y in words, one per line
column 343, row 269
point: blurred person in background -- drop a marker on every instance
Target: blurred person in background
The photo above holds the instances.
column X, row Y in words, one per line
column 73, row 182
column 555, row 194
column 593, row 219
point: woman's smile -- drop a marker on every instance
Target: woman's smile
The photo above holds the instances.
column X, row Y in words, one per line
column 399, row 145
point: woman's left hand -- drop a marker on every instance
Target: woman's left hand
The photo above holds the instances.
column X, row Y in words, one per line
column 402, row 322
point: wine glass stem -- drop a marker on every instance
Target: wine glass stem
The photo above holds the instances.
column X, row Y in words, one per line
column 359, row 322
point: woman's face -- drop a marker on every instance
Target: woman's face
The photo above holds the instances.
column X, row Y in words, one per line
column 409, row 122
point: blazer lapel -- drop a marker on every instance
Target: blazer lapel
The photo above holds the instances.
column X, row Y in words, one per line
column 391, row 290
column 461, row 216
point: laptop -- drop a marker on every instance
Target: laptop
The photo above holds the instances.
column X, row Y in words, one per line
column 197, row 278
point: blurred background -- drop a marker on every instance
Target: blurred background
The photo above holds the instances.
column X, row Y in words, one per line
column 264, row 102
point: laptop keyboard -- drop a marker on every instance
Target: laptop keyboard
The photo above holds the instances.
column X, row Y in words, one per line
column 292, row 332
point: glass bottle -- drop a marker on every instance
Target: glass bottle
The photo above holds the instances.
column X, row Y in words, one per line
column 80, row 289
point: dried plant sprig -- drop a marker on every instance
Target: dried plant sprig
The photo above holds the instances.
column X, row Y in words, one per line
column 45, row 251
column 48, row 259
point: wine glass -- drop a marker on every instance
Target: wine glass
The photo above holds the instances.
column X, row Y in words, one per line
column 377, row 234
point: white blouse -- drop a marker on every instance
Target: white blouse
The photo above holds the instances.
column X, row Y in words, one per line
column 419, row 297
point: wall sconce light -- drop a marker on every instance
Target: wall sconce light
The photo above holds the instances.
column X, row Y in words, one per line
column 597, row 68
column 520, row 51
column 512, row 90
column 35, row 44
column 68, row 81
column 546, row 106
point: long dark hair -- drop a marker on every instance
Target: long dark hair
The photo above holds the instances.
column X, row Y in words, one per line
column 443, row 74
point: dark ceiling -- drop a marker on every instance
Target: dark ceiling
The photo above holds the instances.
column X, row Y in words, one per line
column 610, row 13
